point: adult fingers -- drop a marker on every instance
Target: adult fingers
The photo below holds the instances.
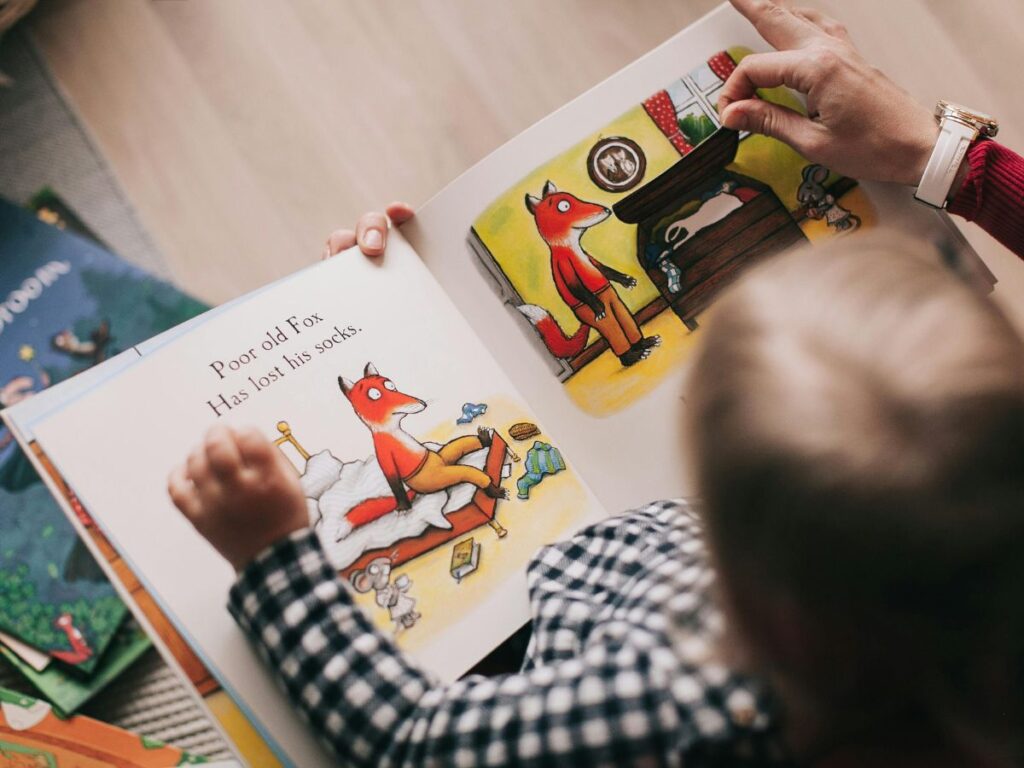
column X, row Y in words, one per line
column 183, row 493
column 339, row 240
column 399, row 213
column 371, row 233
column 768, row 70
column 778, row 122
column 776, row 24
column 826, row 24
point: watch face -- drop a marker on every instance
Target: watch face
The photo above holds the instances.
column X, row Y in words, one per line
column 986, row 124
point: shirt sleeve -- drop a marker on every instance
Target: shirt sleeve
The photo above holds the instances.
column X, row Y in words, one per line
column 992, row 194
column 619, row 703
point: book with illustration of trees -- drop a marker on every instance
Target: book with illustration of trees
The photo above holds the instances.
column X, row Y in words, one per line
column 509, row 371
column 66, row 304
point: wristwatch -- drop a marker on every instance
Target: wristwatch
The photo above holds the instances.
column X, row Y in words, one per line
column 958, row 127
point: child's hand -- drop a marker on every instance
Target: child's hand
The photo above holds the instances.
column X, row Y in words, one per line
column 239, row 492
column 371, row 232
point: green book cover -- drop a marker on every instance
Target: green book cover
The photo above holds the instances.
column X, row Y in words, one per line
column 66, row 691
column 66, row 304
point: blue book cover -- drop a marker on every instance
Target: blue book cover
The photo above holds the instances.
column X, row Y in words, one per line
column 66, row 304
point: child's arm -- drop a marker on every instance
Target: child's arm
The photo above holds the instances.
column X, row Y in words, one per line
column 625, row 696
column 614, row 705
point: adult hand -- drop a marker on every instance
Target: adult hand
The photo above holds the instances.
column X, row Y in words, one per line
column 859, row 122
column 371, row 232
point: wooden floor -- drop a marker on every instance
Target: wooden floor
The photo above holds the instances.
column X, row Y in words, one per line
column 245, row 130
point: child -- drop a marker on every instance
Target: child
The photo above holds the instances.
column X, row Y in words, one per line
column 857, row 428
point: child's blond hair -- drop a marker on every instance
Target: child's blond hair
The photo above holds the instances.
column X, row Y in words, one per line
column 857, row 431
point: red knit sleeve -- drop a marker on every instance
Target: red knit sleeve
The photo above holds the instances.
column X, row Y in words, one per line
column 993, row 193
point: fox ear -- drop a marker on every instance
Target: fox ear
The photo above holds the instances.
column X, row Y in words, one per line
column 532, row 202
column 370, row 370
column 345, row 384
column 549, row 189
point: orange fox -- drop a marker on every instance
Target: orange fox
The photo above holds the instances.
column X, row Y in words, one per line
column 402, row 458
column 584, row 283
column 80, row 650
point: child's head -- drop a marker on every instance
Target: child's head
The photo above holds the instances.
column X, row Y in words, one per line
column 857, row 430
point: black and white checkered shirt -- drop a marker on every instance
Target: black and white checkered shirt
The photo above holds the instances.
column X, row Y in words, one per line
column 620, row 668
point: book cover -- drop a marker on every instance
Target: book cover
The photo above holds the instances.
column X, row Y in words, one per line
column 65, row 690
column 32, row 734
column 65, row 305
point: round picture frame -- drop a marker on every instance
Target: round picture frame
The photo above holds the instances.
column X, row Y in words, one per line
column 616, row 164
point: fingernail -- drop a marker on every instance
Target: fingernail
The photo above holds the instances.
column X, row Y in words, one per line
column 732, row 118
column 373, row 238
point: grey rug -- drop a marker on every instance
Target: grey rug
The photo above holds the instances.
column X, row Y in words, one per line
column 42, row 144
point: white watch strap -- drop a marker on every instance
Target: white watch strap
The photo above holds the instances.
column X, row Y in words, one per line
column 939, row 174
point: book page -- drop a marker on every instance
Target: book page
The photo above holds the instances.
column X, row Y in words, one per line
column 227, row 714
column 586, row 251
column 299, row 361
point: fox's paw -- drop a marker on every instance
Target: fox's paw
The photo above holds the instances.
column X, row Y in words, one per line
column 633, row 355
column 496, row 492
column 630, row 282
column 649, row 342
column 486, row 435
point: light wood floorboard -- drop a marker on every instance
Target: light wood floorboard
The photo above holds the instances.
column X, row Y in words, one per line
column 245, row 130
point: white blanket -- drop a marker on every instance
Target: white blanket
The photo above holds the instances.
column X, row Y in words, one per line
column 333, row 488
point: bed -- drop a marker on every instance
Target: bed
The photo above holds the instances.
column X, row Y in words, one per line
column 335, row 489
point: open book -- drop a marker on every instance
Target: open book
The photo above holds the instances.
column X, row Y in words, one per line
column 527, row 333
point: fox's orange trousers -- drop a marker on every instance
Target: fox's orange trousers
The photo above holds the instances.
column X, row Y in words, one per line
column 618, row 327
column 441, row 469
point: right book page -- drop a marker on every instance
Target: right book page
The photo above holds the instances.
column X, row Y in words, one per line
column 586, row 251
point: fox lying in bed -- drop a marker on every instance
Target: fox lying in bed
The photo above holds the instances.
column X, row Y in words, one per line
column 404, row 460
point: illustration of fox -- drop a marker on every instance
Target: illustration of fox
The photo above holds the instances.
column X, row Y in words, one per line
column 583, row 282
column 80, row 650
column 403, row 459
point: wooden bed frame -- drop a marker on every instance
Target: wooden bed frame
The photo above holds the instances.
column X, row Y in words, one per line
column 481, row 510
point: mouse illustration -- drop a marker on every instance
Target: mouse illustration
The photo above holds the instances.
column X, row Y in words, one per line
column 820, row 204
column 393, row 597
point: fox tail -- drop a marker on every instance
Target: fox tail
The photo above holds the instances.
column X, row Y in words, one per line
column 554, row 337
column 367, row 511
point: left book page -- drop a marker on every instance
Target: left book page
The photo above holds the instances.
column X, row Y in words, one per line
column 277, row 360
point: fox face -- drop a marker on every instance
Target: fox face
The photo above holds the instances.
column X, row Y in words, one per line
column 562, row 217
column 377, row 401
